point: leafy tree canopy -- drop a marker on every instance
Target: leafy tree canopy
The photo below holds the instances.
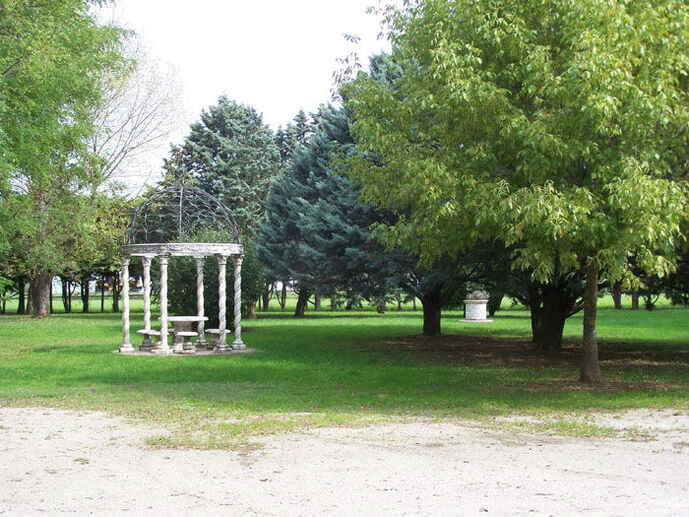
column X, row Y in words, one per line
column 560, row 125
column 52, row 57
column 557, row 127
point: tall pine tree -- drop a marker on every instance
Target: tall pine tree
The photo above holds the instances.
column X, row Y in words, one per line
column 316, row 232
column 232, row 155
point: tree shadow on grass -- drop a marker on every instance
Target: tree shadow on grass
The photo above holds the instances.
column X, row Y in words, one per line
column 414, row 374
column 659, row 363
column 67, row 349
column 338, row 315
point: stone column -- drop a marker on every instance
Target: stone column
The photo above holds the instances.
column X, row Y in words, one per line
column 237, row 344
column 199, row 301
column 162, row 347
column 222, row 306
column 147, row 345
column 126, row 342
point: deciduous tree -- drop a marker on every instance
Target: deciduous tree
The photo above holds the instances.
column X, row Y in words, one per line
column 138, row 111
column 52, row 56
column 560, row 126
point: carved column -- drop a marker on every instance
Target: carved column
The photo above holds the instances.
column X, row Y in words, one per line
column 222, row 306
column 126, row 342
column 199, row 301
column 162, row 347
column 147, row 345
column 237, row 344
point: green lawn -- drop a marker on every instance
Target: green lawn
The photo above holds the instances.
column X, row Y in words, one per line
column 341, row 368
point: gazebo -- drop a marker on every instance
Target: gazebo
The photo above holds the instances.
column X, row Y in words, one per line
column 165, row 225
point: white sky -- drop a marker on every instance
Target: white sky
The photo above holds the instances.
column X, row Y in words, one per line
column 275, row 55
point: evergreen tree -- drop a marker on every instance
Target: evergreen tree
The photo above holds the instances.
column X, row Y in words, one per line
column 233, row 156
column 316, row 232
column 295, row 134
column 301, row 129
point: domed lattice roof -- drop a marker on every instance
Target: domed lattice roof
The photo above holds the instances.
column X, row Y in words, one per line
column 180, row 214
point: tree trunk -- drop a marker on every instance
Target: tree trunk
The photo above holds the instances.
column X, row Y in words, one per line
column 382, row 307
column 431, row 316
column 552, row 327
column 616, row 294
column 317, row 302
column 102, row 293
column 413, row 303
column 85, row 281
column 21, row 307
column 39, row 289
column 52, row 311
column 302, row 301
column 282, row 298
column 116, row 292
column 66, row 298
column 536, row 312
column 29, row 303
column 555, row 308
column 590, row 369
column 550, row 306
column 432, row 303
column 494, row 301
column 265, row 301
column 635, row 300
column 333, row 303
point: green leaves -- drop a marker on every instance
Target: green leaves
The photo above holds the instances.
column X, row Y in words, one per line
column 559, row 126
column 52, row 56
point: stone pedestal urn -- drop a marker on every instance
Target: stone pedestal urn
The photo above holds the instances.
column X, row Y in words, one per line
column 476, row 307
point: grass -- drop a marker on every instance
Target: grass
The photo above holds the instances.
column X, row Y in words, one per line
column 562, row 427
column 344, row 369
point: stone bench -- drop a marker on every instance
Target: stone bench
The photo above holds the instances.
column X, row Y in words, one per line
column 213, row 340
column 187, row 346
column 147, row 344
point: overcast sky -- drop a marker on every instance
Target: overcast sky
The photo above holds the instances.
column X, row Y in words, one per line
column 275, row 55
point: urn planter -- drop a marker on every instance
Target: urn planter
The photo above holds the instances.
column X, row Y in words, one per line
column 476, row 311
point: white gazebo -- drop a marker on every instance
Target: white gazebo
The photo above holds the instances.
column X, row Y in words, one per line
column 166, row 225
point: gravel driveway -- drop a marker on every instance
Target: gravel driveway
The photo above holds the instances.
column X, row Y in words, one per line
column 55, row 461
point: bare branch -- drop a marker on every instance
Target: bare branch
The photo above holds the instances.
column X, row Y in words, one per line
column 139, row 111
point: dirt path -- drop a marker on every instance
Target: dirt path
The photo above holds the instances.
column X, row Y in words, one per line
column 89, row 463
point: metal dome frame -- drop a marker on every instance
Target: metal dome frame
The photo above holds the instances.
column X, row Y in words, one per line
column 162, row 227
column 186, row 209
